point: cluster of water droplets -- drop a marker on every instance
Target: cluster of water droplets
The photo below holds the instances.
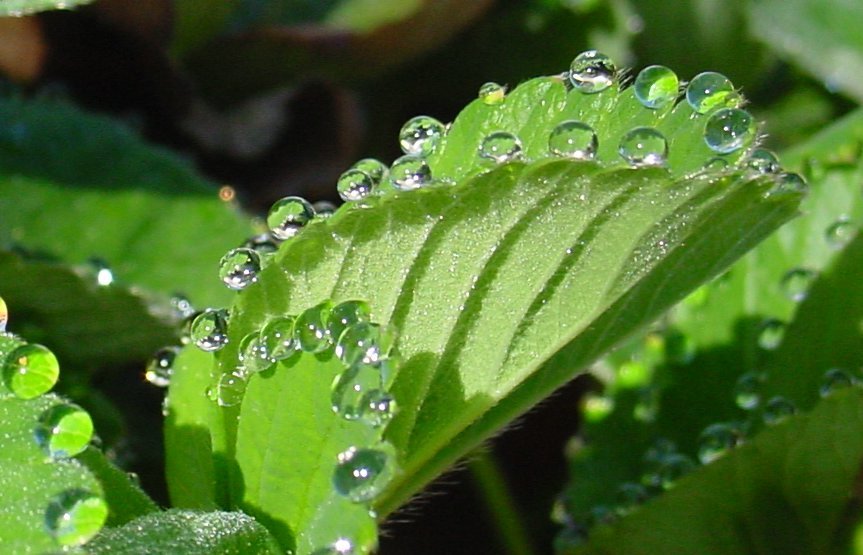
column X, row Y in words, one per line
column 72, row 517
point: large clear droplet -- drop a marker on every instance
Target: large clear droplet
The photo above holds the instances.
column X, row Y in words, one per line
column 310, row 329
column 231, row 388
column 253, row 353
column 74, row 516
column 346, row 314
column 834, row 380
column 373, row 168
column 161, row 366
column 710, row 90
column 288, row 215
column 420, row 135
column 771, row 333
column 573, row 139
column 592, row 72
column 644, row 146
column 787, row 185
column 500, row 147
column 64, row 430
column 363, row 342
column 361, row 474
column 410, row 172
column 379, row 408
column 4, row 315
column 840, row 233
column 763, row 161
column 656, row 86
column 209, row 330
column 492, row 93
column 796, row 283
column 239, row 268
column 351, row 389
column 278, row 338
column 729, row 129
column 354, row 185
column 30, row 371
column 747, row 390
column 777, row 409
column 715, row 441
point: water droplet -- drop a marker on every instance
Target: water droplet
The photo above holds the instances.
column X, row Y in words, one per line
column 644, row 146
column 715, row 441
column 160, row 367
column 763, row 161
column 209, row 330
column 354, row 185
column 341, row 546
column 840, row 233
column 410, row 172
column 30, row 371
column 64, row 430
column 771, row 333
column 592, row 72
column 600, row 515
column 492, row 93
column 729, row 129
column 74, row 516
column 710, row 90
column 747, row 390
column 656, row 86
column 253, row 353
column 629, row 496
column 500, row 147
column 796, row 283
column 361, row 474
column 278, row 338
column 363, row 342
column 288, row 215
column 351, row 389
column 373, row 168
column 323, row 209
column 346, row 314
column 239, row 268
column 4, row 315
column 420, row 135
column 231, row 388
column 834, row 380
column 778, row 409
column 182, row 306
column 262, row 244
column 379, row 408
column 573, row 139
column 674, row 467
column 103, row 273
column 716, row 164
column 310, row 329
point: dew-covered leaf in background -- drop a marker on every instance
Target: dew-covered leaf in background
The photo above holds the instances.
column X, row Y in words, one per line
column 823, row 38
column 792, row 489
column 16, row 8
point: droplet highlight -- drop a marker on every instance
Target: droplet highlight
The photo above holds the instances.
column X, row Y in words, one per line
column 747, row 390
column 656, row 86
column 763, row 161
column 288, row 216
column 64, row 430
column 161, row 366
column 796, row 283
column 710, row 90
column 500, row 147
column 592, row 72
column 74, row 516
column 729, row 129
column 364, row 342
column 30, row 371
column 361, row 474
column 209, row 330
column 573, row 139
column 771, row 333
column 643, row 147
column 410, row 172
column 421, row 135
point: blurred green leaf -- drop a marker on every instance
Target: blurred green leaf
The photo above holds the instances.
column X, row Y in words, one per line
column 17, row 8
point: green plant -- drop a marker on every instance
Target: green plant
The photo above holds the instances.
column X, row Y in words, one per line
column 372, row 347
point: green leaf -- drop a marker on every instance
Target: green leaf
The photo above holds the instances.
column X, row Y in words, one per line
column 85, row 324
column 125, row 498
column 30, row 479
column 501, row 286
column 187, row 532
column 791, row 490
column 17, row 8
column 141, row 210
column 822, row 38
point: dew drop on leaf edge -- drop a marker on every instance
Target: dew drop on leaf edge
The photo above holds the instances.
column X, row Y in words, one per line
column 410, row 172
column 64, row 430
column 74, row 516
column 354, row 185
column 361, row 474
column 656, row 86
column 592, row 72
column 160, row 367
column 30, row 371
column 729, row 129
column 420, row 135
column 209, row 330
column 834, row 380
column 573, row 139
column 491, row 93
column 500, row 147
column 643, row 147
column 239, row 268
column 710, row 90
column 288, row 215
